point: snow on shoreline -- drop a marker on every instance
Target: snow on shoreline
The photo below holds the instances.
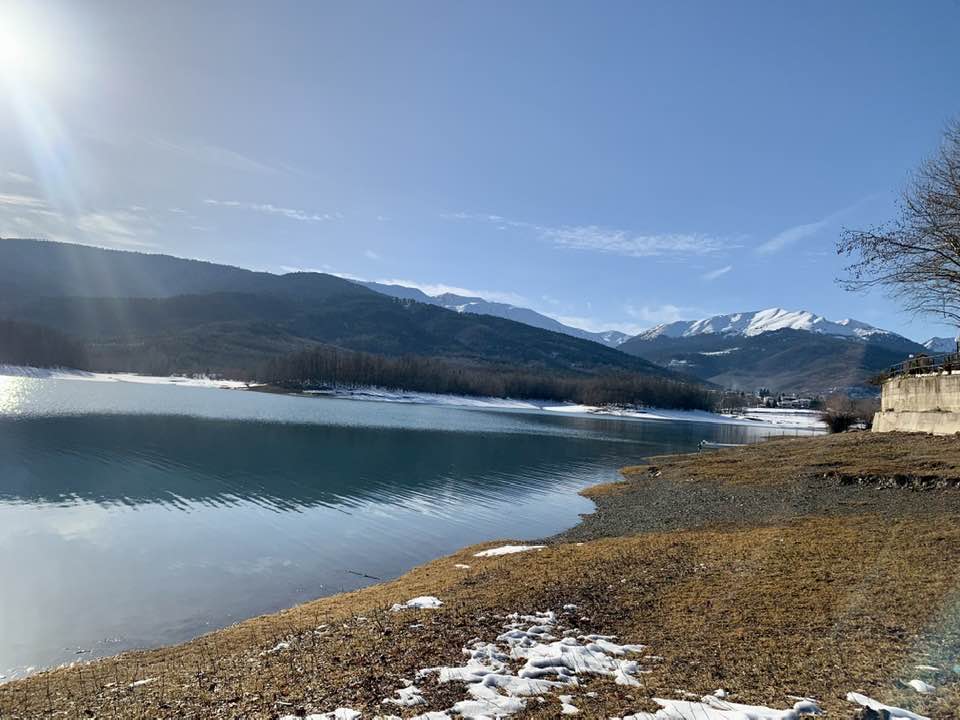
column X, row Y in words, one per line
column 73, row 374
column 808, row 420
column 801, row 420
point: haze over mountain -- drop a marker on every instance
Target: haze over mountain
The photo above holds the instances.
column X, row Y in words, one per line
column 481, row 306
column 159, row 313
column 784, row 350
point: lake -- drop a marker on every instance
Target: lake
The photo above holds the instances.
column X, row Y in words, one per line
column 138, row 515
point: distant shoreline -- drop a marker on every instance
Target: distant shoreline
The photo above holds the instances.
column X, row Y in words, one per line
column 783, row 419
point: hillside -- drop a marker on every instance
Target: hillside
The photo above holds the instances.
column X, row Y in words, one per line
column 481, row 306
column 157, row 313
column 783, row 360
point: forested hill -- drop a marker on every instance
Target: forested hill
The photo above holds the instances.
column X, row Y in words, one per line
column 160, row 314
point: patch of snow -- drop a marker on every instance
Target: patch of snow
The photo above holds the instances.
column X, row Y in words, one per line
column 549, row 664
column 566, row 705
column 895, row 712
column 711, row 707
column 755, row 417
column 715, row 353
column 422, row 398
column 926, row 668
column 921, row 687
column 424, row 602
column 461, row 566
column 408, row 696
column 138, row 683
column 338, row 714
column 72, row 374
column 507, row 550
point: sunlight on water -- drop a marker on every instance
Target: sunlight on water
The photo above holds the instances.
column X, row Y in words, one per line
column 13, row 391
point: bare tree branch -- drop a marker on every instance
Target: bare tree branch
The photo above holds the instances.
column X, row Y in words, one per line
column 916, row 258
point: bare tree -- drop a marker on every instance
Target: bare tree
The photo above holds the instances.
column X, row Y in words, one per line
column 916, row 258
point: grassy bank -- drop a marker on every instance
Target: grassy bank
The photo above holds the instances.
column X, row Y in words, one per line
column 799, row 602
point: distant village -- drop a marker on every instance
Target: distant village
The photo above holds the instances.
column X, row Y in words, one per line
column 786, row 400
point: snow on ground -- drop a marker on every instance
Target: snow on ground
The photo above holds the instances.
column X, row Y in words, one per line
column 895, row 712
column 72, row 374
column 543, row 656
column 507, row 550
column 424, row 602
column 423, row 398
column 755, row 417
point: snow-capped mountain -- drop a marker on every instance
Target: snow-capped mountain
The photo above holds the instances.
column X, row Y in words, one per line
column 941, row 345
column 480, row 306
column 775, row 348
column 750, row 324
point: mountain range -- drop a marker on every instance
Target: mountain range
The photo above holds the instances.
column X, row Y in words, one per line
column 795, row 350
column 157, row 313
column 775, row 348
column 161, row 314
column 750, row 324
column 480, row 306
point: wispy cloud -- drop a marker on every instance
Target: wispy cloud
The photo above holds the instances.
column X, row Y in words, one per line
column 28, row 216
column 592, row 324
column 15, row 177
column 610, row 240
column 371, row 255
column 271, row 209
column 791, row 235
column 216, row 155
column 719, row 272
column 650, row 315
column 118, row 227
column 620, row 242
column 21, row 201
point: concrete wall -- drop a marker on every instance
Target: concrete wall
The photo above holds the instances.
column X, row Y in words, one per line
column 920, row 403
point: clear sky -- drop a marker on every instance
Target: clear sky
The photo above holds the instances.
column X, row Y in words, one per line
column 611, row 164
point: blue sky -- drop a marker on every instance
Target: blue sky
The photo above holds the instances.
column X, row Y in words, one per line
column 611, row 164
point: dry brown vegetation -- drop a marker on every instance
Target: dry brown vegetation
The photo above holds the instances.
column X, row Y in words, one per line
column 808, row 606
column 896, row 458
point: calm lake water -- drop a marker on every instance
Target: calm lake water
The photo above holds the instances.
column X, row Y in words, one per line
column 139, row 515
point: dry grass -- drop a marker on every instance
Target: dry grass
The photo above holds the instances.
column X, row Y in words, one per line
column 923, row 459
column 813, row 606
column 764, row 612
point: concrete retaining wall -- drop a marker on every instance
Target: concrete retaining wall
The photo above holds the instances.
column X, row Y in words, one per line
column 920, row 403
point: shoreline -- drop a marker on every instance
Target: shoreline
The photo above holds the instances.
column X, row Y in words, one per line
column 801, row 421
column 477, row 592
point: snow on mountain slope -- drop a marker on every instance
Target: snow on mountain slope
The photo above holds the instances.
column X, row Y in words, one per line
column 940, row 345
column 480, row 306
column 749, row 324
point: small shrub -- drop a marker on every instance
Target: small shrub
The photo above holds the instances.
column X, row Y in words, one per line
column 838, row 421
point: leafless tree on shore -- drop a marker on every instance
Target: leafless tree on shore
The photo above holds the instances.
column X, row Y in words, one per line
column 916, row 258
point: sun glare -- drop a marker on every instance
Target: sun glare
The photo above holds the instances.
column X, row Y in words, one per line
column 24, row 54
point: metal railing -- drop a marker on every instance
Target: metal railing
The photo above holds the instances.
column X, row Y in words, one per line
column 925, row 364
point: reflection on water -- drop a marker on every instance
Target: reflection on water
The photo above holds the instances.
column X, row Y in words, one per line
column 135, row 515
